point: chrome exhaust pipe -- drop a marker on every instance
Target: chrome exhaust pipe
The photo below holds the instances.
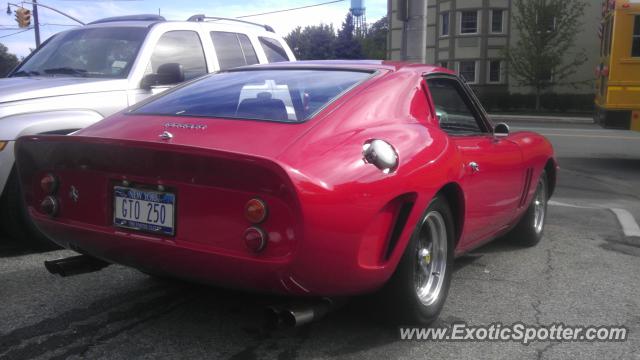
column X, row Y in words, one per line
column 75, row 265
column 300, row 313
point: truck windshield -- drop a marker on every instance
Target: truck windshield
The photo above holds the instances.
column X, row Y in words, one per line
column 106, row 52
column 271, row 95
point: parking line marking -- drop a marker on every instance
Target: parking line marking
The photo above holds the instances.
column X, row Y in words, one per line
column 557, row 203
column 625, row 218
column 629, row 225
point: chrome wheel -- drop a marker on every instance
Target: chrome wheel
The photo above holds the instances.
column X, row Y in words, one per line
column 539, row 206
column 431, row 264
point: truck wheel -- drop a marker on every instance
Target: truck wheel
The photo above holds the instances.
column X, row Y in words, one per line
column 16, row 221
column 417, row 290
column 528, row 232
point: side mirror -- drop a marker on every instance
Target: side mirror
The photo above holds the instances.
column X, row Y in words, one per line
column 501, row 130
column 168, row 74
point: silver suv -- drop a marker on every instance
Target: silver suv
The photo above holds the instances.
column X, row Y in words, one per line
column 80, row 76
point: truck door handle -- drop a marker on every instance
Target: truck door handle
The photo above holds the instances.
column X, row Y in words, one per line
column 474, row 167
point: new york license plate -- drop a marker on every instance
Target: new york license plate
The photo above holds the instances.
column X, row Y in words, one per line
column 144, row 210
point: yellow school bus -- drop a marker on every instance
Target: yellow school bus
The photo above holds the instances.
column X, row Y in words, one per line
column 618, row 74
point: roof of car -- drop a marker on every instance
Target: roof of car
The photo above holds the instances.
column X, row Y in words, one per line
column 356, row 65
column 148, row 20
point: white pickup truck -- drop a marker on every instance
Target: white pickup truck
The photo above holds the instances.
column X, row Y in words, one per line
column 80, row 76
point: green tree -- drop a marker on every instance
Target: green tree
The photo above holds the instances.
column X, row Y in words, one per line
column 374, row 44
column 313, row 42
column 347, row 45
column 7, row 61
column 544, row 56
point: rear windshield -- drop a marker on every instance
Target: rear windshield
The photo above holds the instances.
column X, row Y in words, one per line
column 271, row 95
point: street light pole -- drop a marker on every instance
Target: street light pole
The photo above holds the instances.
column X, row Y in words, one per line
column 36, row 23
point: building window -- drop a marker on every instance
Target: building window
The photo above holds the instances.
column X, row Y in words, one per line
column 444, row 24
column 468, row 22
column 467, row 70
column 495, row 71
column 497, row 18
column 635, row 48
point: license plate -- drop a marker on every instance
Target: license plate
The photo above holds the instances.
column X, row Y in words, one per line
column 144, row 210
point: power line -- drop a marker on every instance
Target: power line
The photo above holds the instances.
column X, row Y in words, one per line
column 11, row 27
column 52, row 24
column 291, row 9
column 15, row 33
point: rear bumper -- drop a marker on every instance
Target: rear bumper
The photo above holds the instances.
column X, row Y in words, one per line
column 193, row 262
column 303, row 275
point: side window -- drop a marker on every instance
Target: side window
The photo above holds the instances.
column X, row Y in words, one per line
column 248, row 50
column 273, row 49
column 233, row 49
column 453, row 107
column 182, row 47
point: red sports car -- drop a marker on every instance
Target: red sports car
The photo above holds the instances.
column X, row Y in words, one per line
column 307, row 178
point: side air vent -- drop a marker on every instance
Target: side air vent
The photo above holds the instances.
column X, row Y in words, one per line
column 527, row 186
column 398, row 227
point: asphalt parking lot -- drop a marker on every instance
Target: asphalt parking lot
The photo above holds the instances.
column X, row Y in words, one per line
column 584, row 272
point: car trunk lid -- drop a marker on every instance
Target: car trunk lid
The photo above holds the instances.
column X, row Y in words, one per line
column 250, row 137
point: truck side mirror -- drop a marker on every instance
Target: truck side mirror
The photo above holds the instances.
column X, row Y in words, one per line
column 167, row 74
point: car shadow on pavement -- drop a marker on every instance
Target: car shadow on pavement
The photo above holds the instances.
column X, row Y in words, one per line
column 11, row 248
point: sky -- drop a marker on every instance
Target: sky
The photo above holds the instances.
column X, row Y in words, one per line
column 90, row 10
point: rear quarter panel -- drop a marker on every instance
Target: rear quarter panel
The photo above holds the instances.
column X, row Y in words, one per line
column 537, row 152
column 348, row 206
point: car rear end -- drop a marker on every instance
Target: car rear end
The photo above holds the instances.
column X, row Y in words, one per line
column 199, row 214
column 189, row 184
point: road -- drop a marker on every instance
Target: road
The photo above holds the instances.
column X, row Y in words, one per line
column 584, row 272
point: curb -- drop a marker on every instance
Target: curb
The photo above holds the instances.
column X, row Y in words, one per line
column 542, row 119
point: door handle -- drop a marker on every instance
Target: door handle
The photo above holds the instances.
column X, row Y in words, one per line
column 474, row 167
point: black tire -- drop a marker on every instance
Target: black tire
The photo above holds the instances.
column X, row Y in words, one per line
column 400, row 295
column 16, row 221
column 528, row 232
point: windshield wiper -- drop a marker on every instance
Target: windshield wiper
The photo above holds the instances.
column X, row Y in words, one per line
column 25, row 73
column 66, row 71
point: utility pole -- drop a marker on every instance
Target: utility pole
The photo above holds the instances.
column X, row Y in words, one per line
column 415, row 31
column 36, row 23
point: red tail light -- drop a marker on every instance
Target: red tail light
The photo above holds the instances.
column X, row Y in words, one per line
column 255, row 211
column 49, row 184
column 255, row 239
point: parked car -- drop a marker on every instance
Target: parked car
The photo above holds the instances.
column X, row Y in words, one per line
column 383, row 174
column 80, row 76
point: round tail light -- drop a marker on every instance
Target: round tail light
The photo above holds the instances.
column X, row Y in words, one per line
column 255, row 239
column 49, row 206
column 255, row 211
column 49, row 184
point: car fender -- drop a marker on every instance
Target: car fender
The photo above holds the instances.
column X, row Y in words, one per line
column 14, row 126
